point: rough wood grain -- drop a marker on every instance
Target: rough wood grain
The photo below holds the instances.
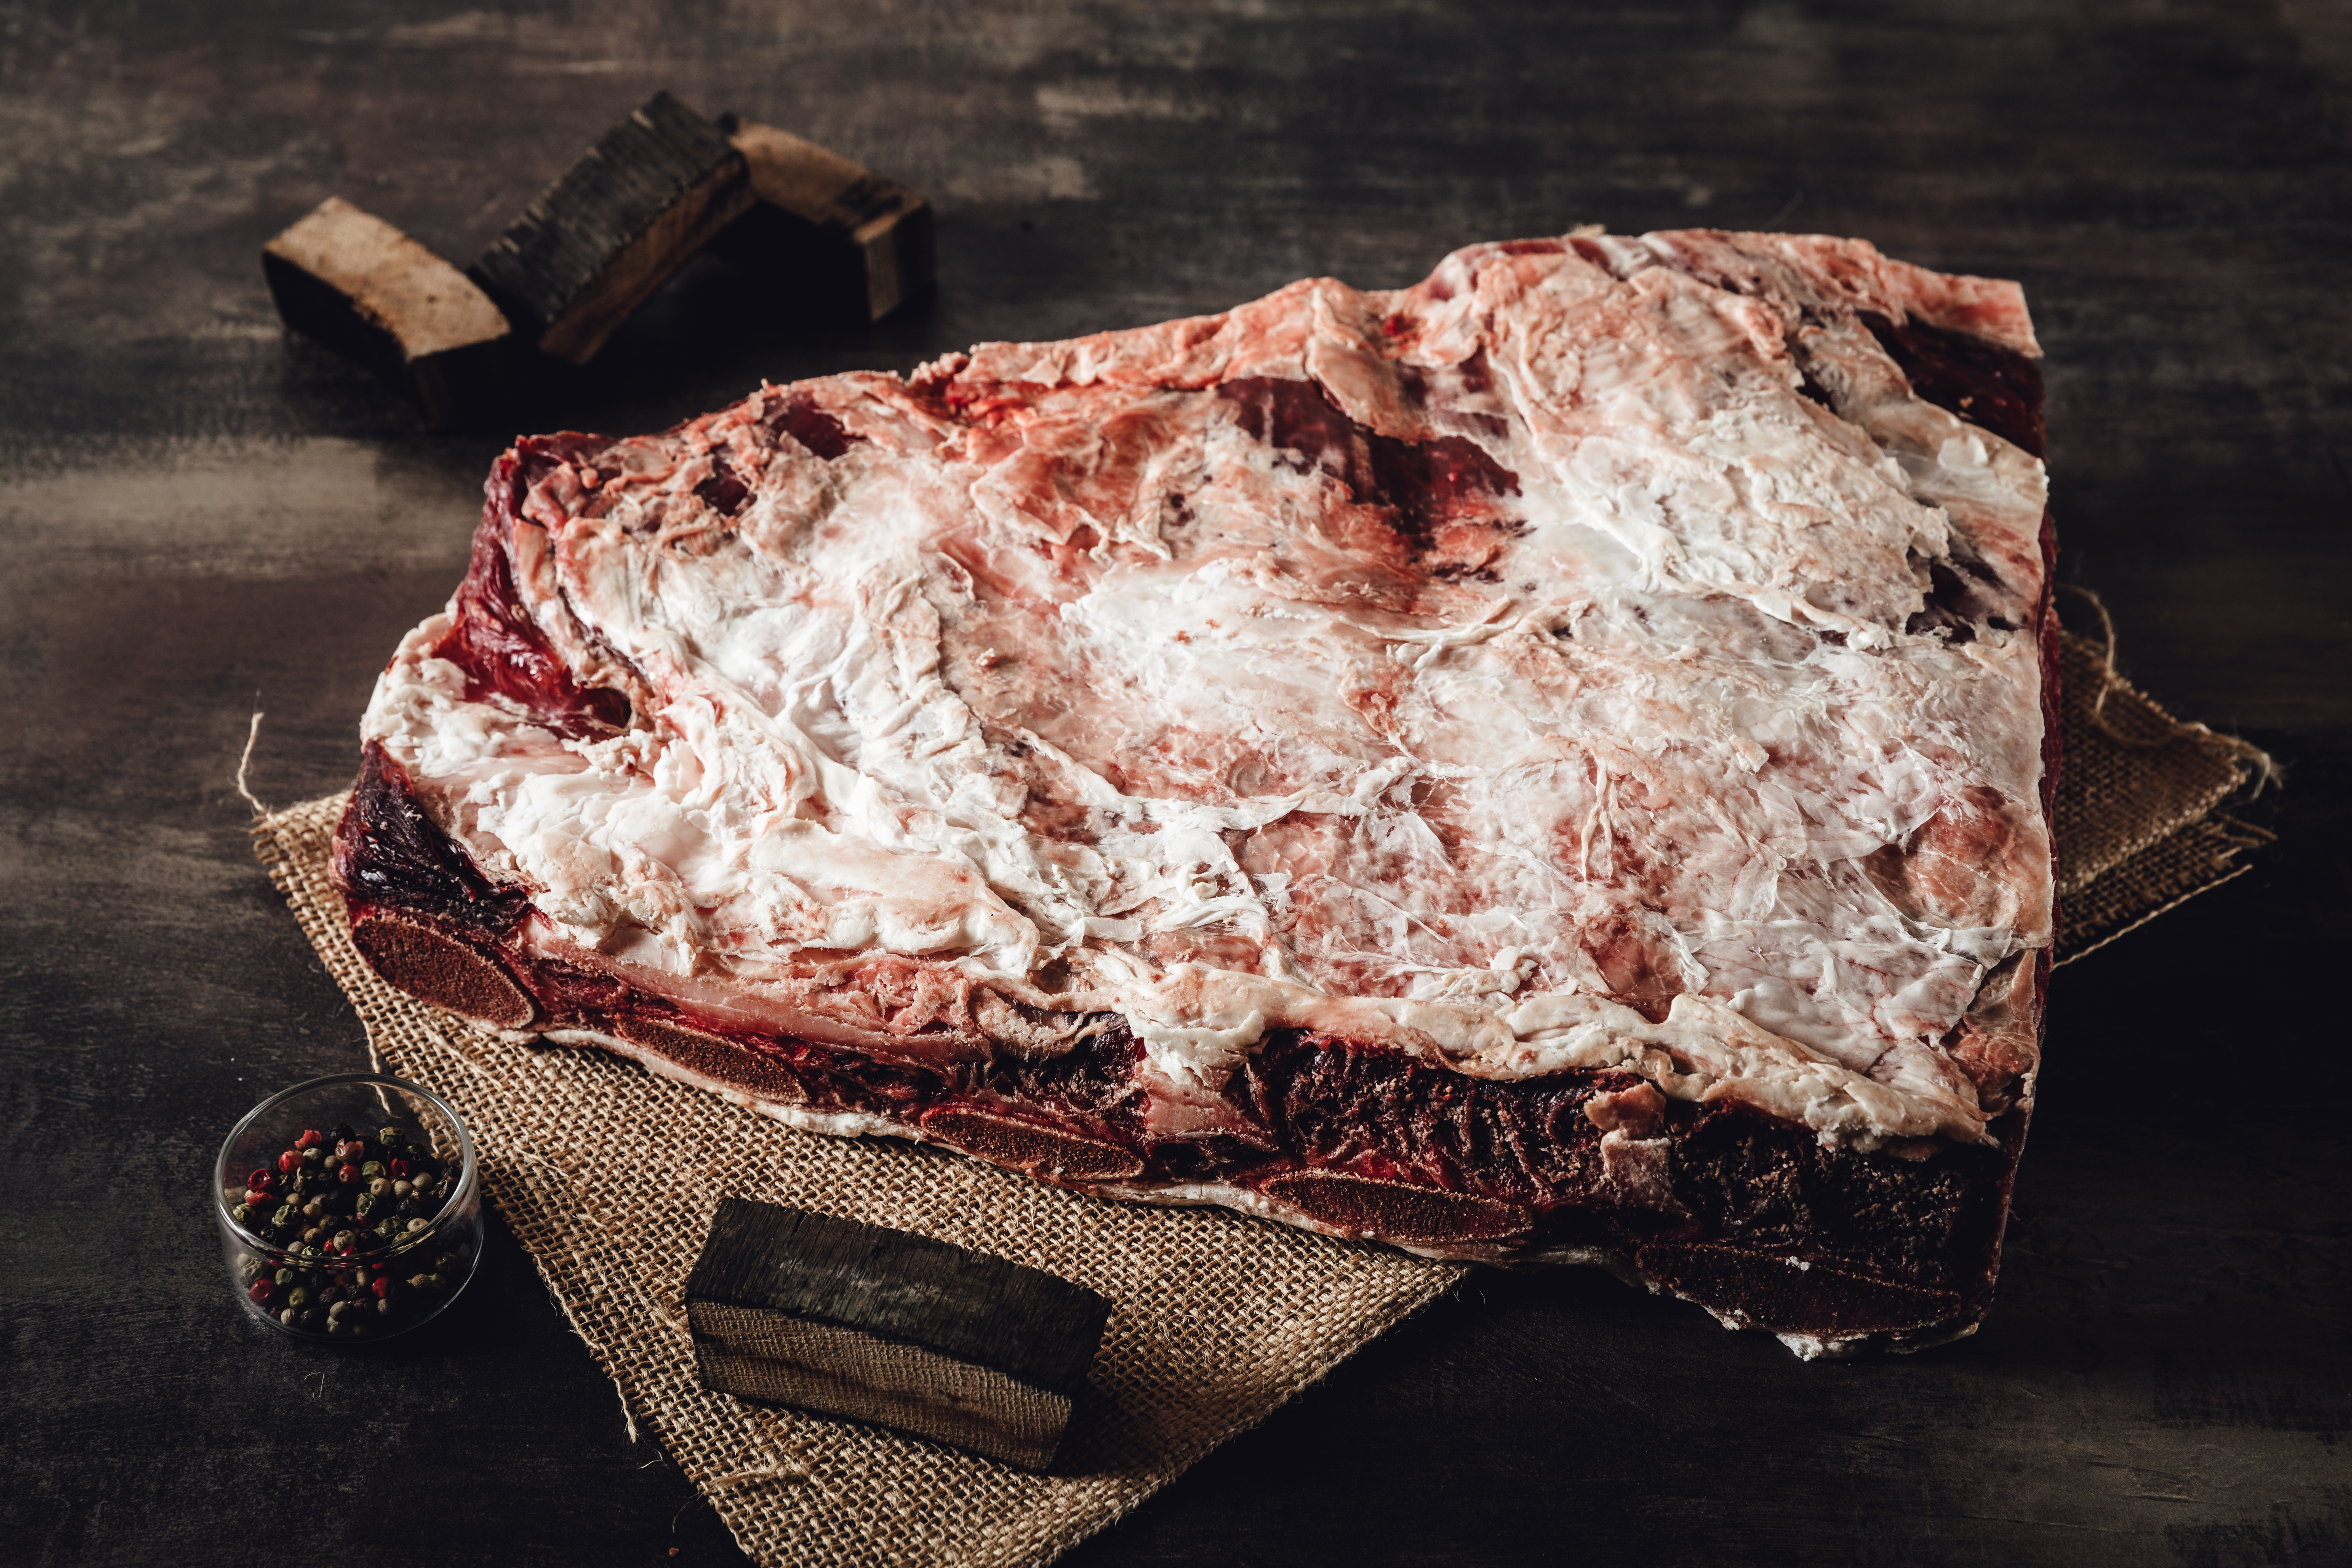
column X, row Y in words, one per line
column 633, row 209
column 884, row 1326
column 362, row 287
column 827, row 228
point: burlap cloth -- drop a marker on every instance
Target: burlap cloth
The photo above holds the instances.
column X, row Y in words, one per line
column 609, row 1175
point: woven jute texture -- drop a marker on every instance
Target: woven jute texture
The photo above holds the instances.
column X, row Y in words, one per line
column 2135, row 818
column 609, row 1177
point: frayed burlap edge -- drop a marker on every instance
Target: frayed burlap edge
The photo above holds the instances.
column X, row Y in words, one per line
column 2138, row 791
column 608, row 1177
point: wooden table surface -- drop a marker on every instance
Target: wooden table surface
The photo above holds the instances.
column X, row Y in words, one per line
column 204, row 517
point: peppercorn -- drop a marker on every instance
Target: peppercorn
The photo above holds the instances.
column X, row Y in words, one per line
column 312, row 1155
column 377, row 1186
column 347, row 1173
column 402, row 1189
column 310, row 1137
column 315, row 1207
column 262, row 1289
column 391, row 1137
column 373, row 1169
column 414, row 1225
column 297, row 1296
column 366, row 1202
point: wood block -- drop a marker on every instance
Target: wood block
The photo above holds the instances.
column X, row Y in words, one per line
column 880, row 1325
column 362, row 287
column 593, row 245
column 833, row 229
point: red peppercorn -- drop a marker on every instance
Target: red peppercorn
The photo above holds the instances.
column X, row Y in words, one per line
column 311, row 1139
column 263, row 1290
column 400, row 1170
column 257, row 1199
column 262, row 1179
column 381, row 1288
column 347, row 1174
column 289, row 1163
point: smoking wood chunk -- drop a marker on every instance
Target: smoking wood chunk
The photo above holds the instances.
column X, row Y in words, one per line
column 362, row 287
column 877, row 1325
column 614, row 227
column 842, row 235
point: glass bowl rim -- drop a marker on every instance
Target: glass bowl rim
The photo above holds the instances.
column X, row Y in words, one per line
column 466, row 1174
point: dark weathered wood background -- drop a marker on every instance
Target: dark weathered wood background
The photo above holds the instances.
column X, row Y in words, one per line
column 203, row 517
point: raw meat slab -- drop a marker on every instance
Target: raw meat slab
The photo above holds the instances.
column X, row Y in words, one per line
column 1551, row 765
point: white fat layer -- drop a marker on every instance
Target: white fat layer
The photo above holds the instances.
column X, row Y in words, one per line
column 1091, row 693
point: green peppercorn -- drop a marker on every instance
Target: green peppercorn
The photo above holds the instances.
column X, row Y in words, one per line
column 284, row 1276
column 242, row 1214
column 297, row 1296
column 391, row 1137
column 366, row 1202
column 284, row 1214
column 370, row 1170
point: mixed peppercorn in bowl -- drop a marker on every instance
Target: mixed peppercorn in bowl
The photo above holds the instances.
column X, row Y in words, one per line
column 349, row 1207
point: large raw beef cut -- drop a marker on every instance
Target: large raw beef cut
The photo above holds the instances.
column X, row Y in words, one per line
column 1549, row 764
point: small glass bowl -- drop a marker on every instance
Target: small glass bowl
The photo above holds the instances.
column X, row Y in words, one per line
column 293, row 1285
